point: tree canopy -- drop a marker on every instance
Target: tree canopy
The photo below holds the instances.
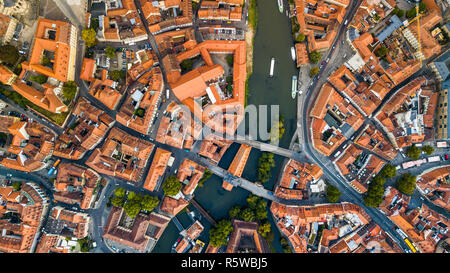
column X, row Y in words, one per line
column 117, row 75
column 413, row 152
column 41, row 79
column 219, row 234
column 375, row 192
column 132, row 207
column 300, row 37
column 119, row 192
column 234, row 212
column 247, row 215
column 333, row 193
column 277, row 130
column 186, row 65
column 314, row 71
column 315, row 57
column 110, row 52
column 388, row 171
column 427, row 149
column 88, row 36
column 172, row 186
column 9, row 54
column 207, row 174
column 407, row 183
column 149, row 203
column 265, row 163
column 381, row 52
column 16, row 186
column 264, row 229
column 69, row 91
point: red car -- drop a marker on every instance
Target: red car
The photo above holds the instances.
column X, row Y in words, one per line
column 446, row 157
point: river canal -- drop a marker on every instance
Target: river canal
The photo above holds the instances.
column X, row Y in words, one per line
column 273, row 39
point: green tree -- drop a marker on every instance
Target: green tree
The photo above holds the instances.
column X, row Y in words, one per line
column 379, row 180
column 277, row 131
column 300, row 37
column 41, row 79
column 9, row 54
column 234, row 212
column 230, row 60
column 427, row 149
column 69, row 91
column 261, row 210
column 265, row 163
column 314, row 71
column 333, row 194
column 46, row 60
column 400, row 13
column 117, row 75
column 149, row 203
column 172, row 186
column 88, row 36
column 283, row 242
column 376, row 17
column 120, row 192
column 94, row 23
column 388, row 171
column 411, row 13
column 85, row 244
column 381, row 52
column 315, row 57
column 374, row 195
column 206, row 175
column 247, row 215
column 117, row 201
column 264, row 229
column 16, row 186
column 422, row 7
column 287, row 249
column 407, row 183
column 413, row 152
column 395, row 11
column 219, row 234
column 132, row 207
column 110, row 52
column 186, row 65
column 252, row 201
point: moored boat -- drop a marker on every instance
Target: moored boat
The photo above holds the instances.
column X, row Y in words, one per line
column 280, row 5
column 294, row 86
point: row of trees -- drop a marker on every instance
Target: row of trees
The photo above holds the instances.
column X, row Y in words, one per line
column 414, row 152
column 375, row 192
column 133, row 202
column 398, row 12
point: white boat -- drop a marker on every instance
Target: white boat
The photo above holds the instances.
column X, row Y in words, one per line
column 272, row 66
column 280, row 5
column 294, row 86
column 293, row 53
